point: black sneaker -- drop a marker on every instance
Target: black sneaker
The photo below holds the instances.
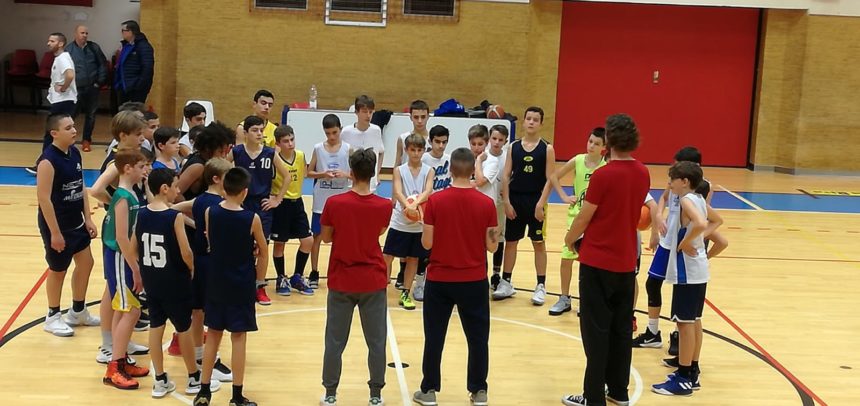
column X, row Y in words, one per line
column 671, row 362
column 242, row 402
column 494, row 281
column 31, row 170
column 399, row 283
column 202, row 399
column 314, row 280
column 673, row 344
column 648, row 340
column 141, row 326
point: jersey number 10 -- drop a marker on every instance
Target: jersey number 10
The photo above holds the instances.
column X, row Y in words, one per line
column 154, row 254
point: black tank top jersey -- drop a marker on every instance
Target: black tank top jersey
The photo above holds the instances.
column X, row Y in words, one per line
column 139, row 189
column 164, row 272
column 199, row 186
column 262, row 170
column 528, row 174
column 67, row 191
column 198, row 211
column 232, row 275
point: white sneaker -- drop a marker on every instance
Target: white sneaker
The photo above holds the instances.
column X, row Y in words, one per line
column 193, row 387
column 221, row 372
column 539, row 297
column 504, row 291
column 84, row 318
column 418, row 287
column 137, row 349
column 105, row 354
column 56, row 326
column 160, row 389
column 560, row 307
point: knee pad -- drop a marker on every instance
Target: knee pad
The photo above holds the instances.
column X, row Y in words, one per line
column 653, row 287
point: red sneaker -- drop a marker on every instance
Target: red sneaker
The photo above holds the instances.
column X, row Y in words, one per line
column 115, row 376
column 635, row 327
column 135, row 371
column 262, row 297
column 86, row 146
column 174, row 349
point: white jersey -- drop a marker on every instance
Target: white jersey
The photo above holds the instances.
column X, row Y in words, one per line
column 673, row 222
column 412, row 185
column 330, row 161
column 404, row 158
column 685, row 269
column 186, row 140
column 442, row 170
column 369, row 138
column 492, row 172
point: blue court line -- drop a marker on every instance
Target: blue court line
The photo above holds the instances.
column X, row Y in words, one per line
column 15, row 176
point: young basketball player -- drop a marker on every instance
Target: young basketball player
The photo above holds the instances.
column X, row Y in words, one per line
column 195, row 114
column 352, row 222
column 289, row 220
column 214, row 141
column 260, row 162
column 65, row 224
column 264, row 101
column 121, row 268
column 479, row 137
column 457, row 276
column 363, row 134
column 419, row 113
column 582, row 165
column 151, row 125
column 166, row 265
column 166, row 141
column 689, row 276
column 525, row 186
column 236, row 242
column 404, row 234
column 329, row 167
column 488, row 179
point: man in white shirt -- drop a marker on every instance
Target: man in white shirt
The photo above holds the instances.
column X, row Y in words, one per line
column 363, row 134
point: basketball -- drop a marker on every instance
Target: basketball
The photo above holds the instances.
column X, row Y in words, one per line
column 496, row 111
column 644, row 219
column 413, row 217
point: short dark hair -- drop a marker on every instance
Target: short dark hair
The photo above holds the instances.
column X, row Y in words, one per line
column 148, row 154
column 534, row 109
column 164, row 134
column 500, row 129
column 60, row 36
column 439, row 131
column 195, row 132
column 462, row 162
column 263, row 93
column 283, row 131
column 160, row 177
column 127, row 156
column 621, row 133
column 689, row 153
column 479, row 131
column 150, row 115
column 251, row 121
column 687, row 170
column 132, row 106
column 419, row 105
column 414, row 140
column 331, row 121
column 193, row 109
column 214, row 136
column 132, row 26
column 236, row 180
column 364, row 101
column 53, row 121
column 599, row 132
column 362, row 163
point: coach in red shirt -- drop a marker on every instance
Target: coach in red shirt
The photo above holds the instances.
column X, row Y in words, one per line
column 460, row 227
column 607, row 255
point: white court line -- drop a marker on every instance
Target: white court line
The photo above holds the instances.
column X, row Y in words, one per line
column 741, row 198
column 398, row 365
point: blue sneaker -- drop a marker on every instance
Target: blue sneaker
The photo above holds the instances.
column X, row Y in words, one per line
column 674, row 386
column 298, row 283
column 282, row 287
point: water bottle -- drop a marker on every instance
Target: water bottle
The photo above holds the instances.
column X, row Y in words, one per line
column 312, row 97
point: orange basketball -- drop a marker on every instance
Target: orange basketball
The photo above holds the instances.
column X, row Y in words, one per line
column 496, row 111
column 411, row 216
column 644, row 219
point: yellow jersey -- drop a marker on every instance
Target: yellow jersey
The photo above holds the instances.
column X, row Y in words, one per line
column 296, row 169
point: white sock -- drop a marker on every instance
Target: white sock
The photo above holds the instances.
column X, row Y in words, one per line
column 107, row 339
column 198, row 354
column 654, row 325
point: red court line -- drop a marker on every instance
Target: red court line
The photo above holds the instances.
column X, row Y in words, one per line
column 766, row 354
column 23, row 304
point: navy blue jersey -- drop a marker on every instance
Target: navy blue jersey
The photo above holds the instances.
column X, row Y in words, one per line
column 198, row 211
column 199, row 185
column 67, row 191
column 528, row 168
column 262, row 169
column 139, row 189
column 232, row 277
column 164, row 272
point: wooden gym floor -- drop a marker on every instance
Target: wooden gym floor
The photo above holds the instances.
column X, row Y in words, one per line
column 781, row 320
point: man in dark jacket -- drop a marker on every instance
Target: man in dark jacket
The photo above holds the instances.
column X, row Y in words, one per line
column 135, row 66
column 90, row 74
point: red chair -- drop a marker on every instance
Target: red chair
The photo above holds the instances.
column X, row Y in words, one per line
column 20, row 71
column 42, row 78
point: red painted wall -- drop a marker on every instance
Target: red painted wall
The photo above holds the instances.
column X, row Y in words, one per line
column 706, row 62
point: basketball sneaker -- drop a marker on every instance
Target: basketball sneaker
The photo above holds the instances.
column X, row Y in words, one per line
column 478, row 398
column 105, row 355
column 314, row 280
column 676, row 385
column 673, row 343
column 648, row 340
column 328, row 401
column 504, row 290
column 406, row 301
column 494, row 281
column 174, row 349
column 574, row 400
column 115, row 376
column 194, row 384
column 262, row 297
column 398, row 284
column 222, row 372
column 56, row 326
column 418, row 288
column 282, row 286
column 84, row 318
column 696, row 383
column 671, row 362
column 161, row 388
column 86, row 146
column 137, row 349
column 202, row 399
column 134, row 371
column 560, row 307
column 376, row 401
column 242, row 402
column 298, row 283
column 425, row 398
column 141, row 325
column 539, row 296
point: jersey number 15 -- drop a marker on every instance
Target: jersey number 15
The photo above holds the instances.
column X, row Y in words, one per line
column 154, row 254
